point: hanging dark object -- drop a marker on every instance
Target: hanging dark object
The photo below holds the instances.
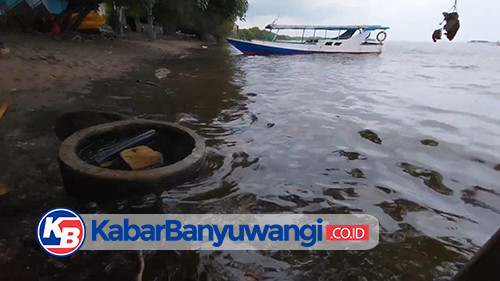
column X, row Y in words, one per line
column 452, row 24
column 451, row 27
column 436, row 35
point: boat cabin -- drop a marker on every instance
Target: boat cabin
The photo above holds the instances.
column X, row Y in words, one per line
column 326, row 35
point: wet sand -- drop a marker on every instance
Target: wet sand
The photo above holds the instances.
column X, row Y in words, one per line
column 41, row 62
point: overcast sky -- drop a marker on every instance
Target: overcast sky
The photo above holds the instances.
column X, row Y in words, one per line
column 410, row 20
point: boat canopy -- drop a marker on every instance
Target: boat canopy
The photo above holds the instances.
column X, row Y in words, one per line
column 327, row 27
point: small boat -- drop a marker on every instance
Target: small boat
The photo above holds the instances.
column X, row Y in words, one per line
column 354, row 39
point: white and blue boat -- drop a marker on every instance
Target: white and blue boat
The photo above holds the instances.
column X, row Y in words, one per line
column 353, row 39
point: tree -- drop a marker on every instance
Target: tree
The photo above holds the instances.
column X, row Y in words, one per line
column 257, row 33
column 200, row 17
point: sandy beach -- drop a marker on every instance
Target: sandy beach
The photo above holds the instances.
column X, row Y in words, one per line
column 42, row 62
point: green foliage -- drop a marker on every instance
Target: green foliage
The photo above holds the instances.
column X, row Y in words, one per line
column 203, row 4
column 200, row 17
column 257, row 33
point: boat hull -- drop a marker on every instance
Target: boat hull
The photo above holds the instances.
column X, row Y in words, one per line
column 280, row 48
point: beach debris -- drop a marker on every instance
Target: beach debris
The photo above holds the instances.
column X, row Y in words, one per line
column 429, row 142
column 141, row 157
column 188, row 75
column 204, row 47
column 4, row 50
column 3, row 109
column 149, row 83
column 51, row 59
column 371, row 136
column 3, row 188
column 162, row 73
column 77, row 38
column 112, row 150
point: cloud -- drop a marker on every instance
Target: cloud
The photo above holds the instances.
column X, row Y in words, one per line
column 410, row 20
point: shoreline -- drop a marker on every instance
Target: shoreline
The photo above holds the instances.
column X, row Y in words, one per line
column 41, row 62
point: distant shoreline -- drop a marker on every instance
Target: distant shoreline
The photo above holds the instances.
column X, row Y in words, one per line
column 481, row 42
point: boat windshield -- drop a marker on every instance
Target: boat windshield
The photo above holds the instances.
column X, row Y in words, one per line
column 346, row 35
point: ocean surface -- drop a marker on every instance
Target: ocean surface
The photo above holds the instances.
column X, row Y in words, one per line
column 424, row 168
column 411, row 137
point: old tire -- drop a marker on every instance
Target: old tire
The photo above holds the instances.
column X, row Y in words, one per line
column 86, row 180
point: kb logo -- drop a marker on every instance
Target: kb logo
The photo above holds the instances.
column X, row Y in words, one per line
column 61, row 232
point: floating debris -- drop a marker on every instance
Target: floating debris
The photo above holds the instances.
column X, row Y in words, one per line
column 161, row 73
column 429, row 142
column 497, row 167
column 141, row 157
column 270, row 125
column 371, row 136
column 251, row 94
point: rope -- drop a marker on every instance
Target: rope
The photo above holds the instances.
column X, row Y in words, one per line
column 454, row 8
